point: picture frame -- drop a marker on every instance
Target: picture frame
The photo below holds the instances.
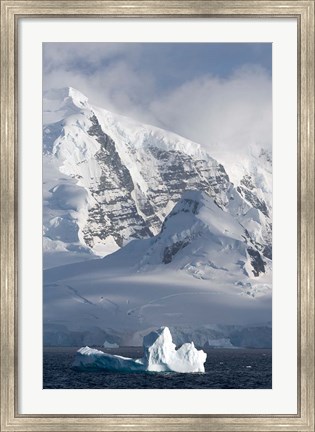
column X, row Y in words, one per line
column 11, row 12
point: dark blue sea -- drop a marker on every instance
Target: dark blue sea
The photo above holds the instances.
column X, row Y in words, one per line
column 225, row 369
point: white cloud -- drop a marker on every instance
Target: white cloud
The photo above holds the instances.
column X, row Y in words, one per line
column 109, row 78
column 225, row 115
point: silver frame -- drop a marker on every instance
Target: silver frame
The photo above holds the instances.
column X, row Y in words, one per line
column 11, row 12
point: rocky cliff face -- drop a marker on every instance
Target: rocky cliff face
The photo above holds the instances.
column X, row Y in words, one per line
column 112, row 180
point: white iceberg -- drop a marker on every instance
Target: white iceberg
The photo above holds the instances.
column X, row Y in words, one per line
column 160, row 355
column 110, row 345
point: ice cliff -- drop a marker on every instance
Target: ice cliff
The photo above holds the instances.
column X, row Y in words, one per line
column 160, row 355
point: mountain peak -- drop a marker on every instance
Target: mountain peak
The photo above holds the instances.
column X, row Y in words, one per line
column 200, row 237
column 77, row 97
column 61, row 95
column 199, row 210
column 58, row 103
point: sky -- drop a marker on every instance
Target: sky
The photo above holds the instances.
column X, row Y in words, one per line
column 217, row 94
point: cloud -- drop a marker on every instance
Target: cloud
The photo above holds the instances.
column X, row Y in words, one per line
column 227, row 115
column 108, row 74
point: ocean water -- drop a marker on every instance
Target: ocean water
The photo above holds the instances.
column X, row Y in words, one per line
column 225, row 369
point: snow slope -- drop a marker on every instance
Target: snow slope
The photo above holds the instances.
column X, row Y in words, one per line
column 200, row 272
column 202, row 239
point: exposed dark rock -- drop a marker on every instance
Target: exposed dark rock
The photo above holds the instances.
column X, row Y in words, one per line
column 257, row 262
column 122, row 214
column 267, row 251
column 114, row 188
column 171, row 251
column 250, row 196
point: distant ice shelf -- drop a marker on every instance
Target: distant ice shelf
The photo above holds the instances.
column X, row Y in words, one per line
column 160, row 355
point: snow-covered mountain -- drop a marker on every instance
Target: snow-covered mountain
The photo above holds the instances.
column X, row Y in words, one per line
column 186, row 243
column 109, row 179
column 199, row 238
column 200, row 272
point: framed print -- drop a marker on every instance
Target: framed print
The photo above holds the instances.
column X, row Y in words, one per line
column 157, row 215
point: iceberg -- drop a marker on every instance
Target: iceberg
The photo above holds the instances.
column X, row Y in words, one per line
column 160, row 355
column 110, row 345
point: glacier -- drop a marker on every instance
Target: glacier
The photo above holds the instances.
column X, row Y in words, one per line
column 160, row 355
